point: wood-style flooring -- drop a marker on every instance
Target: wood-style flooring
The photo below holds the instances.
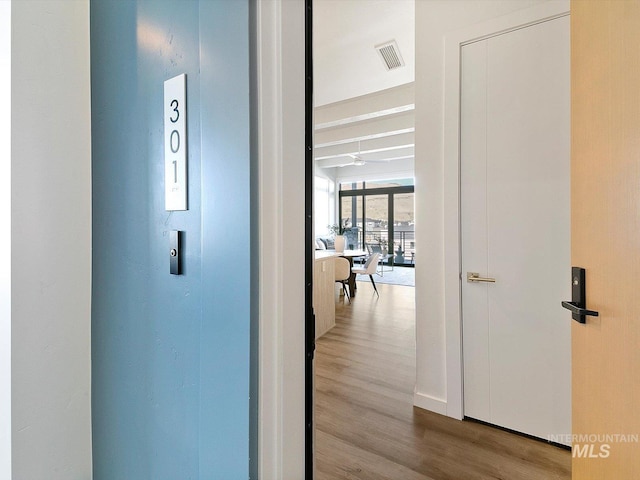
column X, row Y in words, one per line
column 366, row 425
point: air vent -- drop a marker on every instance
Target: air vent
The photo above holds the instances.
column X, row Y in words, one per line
column 390, row 55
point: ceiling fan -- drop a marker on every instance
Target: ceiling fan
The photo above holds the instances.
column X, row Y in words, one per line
column 359, row 158
column 359, row 161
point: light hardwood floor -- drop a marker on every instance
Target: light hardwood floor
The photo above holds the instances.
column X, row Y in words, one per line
column 367, row 427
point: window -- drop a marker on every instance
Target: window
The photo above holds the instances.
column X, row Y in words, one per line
column 380, row 214
column 352, row 186
column 324, row 205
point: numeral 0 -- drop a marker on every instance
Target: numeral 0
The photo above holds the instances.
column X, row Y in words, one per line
column 174, row 138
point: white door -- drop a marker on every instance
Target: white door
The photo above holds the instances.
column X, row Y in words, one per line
column 515, row 223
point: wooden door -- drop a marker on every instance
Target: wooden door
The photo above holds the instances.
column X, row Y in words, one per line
column 605, row 182
column 515, row 165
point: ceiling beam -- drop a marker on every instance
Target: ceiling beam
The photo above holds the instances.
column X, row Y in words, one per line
column 376, row 128
column 344, row 161
column 386, row 155
column 379, row 154
column 368, row 145
column 365, row 105
column 365, row 116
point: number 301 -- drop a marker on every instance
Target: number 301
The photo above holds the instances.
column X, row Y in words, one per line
column 176, row 142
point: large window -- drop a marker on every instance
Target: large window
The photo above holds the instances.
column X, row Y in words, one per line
column 324, row 205
column 404, row 231
column 351, row 219
column 380, row 215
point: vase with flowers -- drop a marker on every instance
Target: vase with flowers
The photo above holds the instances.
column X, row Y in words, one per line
column 384, row 247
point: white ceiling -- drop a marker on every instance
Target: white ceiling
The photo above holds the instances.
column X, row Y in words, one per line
column 364, row 113
column 346, row 64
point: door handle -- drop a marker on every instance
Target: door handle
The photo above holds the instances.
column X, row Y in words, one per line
column 578, row 297
column 475, row 277
column 579, row 311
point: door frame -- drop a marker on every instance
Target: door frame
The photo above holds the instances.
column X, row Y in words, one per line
column 454, row 41
column 280, row 130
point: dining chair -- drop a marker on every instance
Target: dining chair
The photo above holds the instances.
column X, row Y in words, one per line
column 369, row 268
column 342, row 274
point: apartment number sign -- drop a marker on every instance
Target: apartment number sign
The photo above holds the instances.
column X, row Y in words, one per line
column 175, row 143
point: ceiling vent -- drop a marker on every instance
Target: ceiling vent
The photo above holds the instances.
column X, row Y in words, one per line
column 390, row 55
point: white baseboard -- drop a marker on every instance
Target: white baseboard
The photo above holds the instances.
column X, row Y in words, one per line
column 437, row 405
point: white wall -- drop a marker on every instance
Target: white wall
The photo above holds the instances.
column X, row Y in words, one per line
column 51, row 240
column 434, row 19
column 5, row 241
column 328, row 173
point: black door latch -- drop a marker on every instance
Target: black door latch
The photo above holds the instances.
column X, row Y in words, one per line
column 578, row 302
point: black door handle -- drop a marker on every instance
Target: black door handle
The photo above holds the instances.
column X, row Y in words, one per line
column 578, row 298
column 576, row 310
